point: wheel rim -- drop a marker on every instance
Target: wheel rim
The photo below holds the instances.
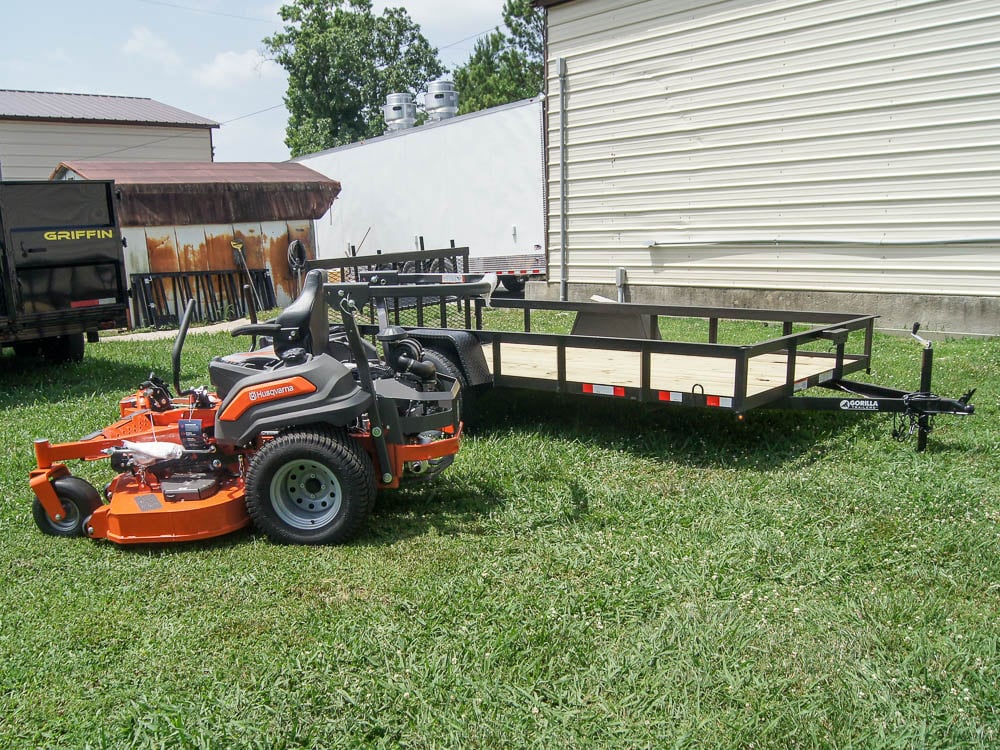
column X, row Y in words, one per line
column 71, row 518
column 306, row 494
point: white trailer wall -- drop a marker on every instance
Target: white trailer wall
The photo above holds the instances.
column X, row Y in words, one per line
column 475, row 179
column 837, row 145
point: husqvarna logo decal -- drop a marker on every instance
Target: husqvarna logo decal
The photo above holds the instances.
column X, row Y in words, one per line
column 859, row 404
column 256, row 395
column 270, row 393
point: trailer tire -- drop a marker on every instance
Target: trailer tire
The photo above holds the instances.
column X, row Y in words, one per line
column 68, row 348
column 513, row 284
column 79, row 499
column 310, row 486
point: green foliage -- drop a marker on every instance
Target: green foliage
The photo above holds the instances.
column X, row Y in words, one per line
column 592, row 573
column 504, row 66
column 342, row 61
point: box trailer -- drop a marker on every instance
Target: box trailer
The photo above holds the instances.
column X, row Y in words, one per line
column 476, row 180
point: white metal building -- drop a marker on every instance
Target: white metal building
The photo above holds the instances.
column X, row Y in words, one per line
column 39, row 129
column 842, row 154
column 475, row 179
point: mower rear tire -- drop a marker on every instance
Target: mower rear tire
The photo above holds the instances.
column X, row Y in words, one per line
column 310, row 486
column 79, row 499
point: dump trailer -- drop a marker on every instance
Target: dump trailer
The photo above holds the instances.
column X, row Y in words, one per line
column 63, row 267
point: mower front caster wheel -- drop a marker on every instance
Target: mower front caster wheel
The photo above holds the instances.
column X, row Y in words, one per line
column 310, row 487
column 79, row 500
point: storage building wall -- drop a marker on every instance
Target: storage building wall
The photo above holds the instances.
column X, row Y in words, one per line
column 31, row 149
column 848, row 145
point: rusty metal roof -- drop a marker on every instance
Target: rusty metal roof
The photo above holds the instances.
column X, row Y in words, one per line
column 169, row 193
column 44, row 105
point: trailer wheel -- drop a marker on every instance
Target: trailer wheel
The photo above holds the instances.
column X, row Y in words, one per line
column 79, row 500
column 513, row 284
column 310, row 487
column 68, row 348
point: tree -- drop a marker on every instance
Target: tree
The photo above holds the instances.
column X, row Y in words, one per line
column 342, row 61
column 505, row 66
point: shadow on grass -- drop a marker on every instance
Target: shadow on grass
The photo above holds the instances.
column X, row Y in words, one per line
column 447, row 506
column 25, row 381
column 704, row 438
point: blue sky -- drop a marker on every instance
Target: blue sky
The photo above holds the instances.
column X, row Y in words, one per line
column 202, row 56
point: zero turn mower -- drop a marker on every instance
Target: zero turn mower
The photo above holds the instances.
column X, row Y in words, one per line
column 295, row 438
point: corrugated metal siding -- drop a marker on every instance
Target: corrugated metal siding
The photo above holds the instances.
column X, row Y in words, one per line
column 31, row 150
column 207, row 247
column 833, row 144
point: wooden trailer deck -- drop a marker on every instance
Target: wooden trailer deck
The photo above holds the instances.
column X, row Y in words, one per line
column 615, row 350
column 679, row 373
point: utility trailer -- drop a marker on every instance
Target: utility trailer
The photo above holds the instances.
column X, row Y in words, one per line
column 614, row 350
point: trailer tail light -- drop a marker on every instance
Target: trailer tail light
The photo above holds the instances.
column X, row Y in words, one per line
column 604, row 390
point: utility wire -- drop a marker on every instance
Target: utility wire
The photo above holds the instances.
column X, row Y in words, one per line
column 181, row 135
column 209, row 12
column 249, row 114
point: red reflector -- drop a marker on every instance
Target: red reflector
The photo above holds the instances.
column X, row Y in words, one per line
column 588, row 388
column 619, row 391
column 711, row 400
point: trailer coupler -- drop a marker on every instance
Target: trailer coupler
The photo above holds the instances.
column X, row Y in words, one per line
column 920, row 408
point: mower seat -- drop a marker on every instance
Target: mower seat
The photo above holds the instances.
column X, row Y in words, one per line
column 304, row 323
column 301, row 325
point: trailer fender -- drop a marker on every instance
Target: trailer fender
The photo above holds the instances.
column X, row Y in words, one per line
column 464, row 348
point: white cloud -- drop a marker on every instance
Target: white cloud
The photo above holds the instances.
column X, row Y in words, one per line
column 229, row 70
column 144, row 44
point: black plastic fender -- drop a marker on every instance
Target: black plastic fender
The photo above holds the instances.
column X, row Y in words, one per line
column 319, row 391
column 464, row 347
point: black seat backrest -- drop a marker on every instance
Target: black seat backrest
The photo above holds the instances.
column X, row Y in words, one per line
column 304, row 323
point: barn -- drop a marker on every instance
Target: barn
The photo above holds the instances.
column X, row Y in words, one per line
column 832, row 154
column 40, row 129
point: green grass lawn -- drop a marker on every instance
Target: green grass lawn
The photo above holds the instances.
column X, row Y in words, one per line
column 588, row 574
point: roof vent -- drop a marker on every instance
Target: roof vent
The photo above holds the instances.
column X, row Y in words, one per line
column 399, row 112
column 441, row 100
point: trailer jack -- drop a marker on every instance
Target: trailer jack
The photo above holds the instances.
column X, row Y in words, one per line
column 921, row 407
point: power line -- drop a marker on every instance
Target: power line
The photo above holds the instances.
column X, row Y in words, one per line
column 181, row 135
column 471, row 36
column 209, row 12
